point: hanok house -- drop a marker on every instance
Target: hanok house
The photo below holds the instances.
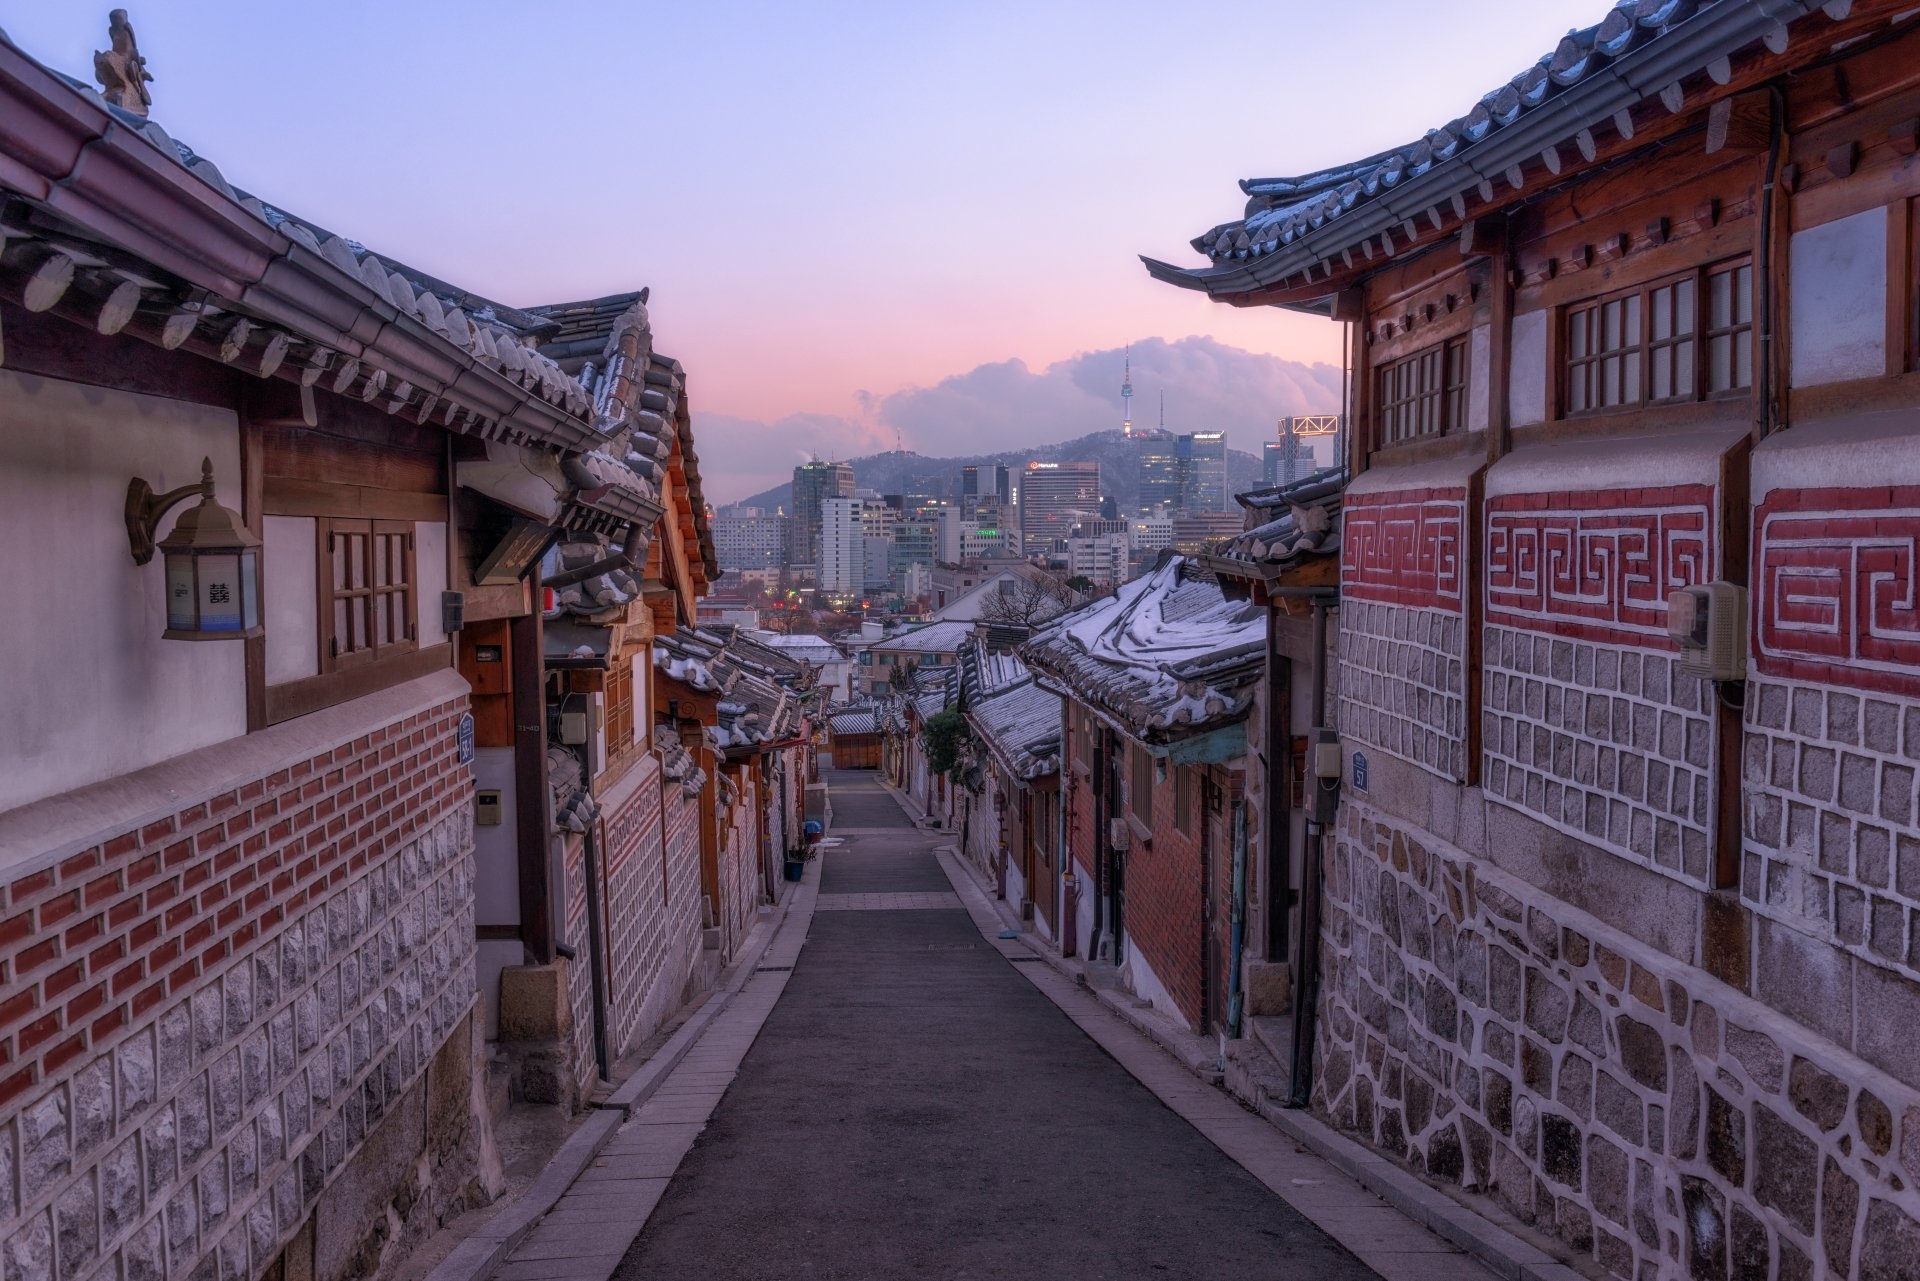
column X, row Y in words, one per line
column 1011, row 823
column 1289, row 562
column 624, row 823
column 751, row 736
column 1620, row 914
column 853, row 736
column 1159, row 681
column 239, row 1030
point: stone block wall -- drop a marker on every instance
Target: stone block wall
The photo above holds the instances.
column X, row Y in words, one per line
column 1403, row 683
column 211, row 1018
column 1606, row 742
column 1403, row 626
column 1650, row 1116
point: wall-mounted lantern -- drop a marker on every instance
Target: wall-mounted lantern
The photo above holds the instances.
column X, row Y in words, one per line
column 212, row 561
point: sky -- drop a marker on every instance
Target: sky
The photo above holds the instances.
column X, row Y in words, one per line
column 862, row 223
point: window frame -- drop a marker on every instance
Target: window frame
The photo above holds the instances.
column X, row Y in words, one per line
column 332, row 658
column 1575, row 367
column 1450, row 361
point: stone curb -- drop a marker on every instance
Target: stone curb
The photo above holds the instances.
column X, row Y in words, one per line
column 1505, row 1254
column 489, row 1244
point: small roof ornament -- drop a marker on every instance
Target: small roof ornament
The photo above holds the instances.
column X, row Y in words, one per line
column 121, row 71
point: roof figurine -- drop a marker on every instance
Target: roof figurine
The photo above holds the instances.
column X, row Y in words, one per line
column 120, row 69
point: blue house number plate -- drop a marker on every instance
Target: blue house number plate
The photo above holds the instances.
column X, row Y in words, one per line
column 1359, row 771
column 463, row 739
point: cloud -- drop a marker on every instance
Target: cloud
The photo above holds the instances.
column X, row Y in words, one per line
column 1007, row 405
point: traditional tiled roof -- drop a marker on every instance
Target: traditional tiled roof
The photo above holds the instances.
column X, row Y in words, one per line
column 1165, row 657
column 1021, row 724
column 934, row 638
column 1643, row 60
column 190, row 261
column 574, row 807
column 677, row 764
column 752, row 708
column 1303, row 521
column 863, row 719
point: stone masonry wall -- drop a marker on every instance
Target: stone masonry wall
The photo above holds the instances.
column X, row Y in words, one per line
column 1832, row 844
column 1643, row 1112
column 1606, row 742
column 208, row 1018
column 1403, row 682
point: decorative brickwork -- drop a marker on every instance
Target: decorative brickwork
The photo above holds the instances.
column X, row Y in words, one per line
column 1405, row 548
column 206, row 1017
column 1837, row 587
column 1833, row 817
column 1600, row 565
column 636, row 919
column 1605, row 742
column 1402, row 683
column 1163, row 905
column 1649, row 1116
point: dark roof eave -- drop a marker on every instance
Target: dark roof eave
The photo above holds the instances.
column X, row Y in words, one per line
column 1638, row 75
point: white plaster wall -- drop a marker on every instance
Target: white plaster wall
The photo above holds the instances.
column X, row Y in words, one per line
column 1527, row 371
column 1837, row 293
column 430, row 568
column 92, row 690
column 496, row 882
column 1479, row 371
column 290, row 573
column 1016, row 884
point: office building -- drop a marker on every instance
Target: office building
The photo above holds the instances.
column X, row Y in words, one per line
column 1054, row 497
column 813, row 484
column 1202, row 460
column 1159, row 470
column 988, row 482
column 749, row 538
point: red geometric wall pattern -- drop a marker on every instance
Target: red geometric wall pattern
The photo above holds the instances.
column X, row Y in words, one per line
column 1835, row 586
column 1405, row 548
column 1598, row 565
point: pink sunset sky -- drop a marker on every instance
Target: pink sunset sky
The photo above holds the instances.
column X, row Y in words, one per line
column 857, row 219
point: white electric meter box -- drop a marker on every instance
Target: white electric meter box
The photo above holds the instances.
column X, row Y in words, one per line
column 1119, row 834
column 573, row 728
column 1708, row 621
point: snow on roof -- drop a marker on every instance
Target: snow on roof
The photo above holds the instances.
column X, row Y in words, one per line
column 935, row 638
column 1023, row 726
column 1167, row 656
column 1304, row 520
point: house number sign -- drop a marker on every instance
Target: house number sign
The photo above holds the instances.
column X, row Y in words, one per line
column 463, row 739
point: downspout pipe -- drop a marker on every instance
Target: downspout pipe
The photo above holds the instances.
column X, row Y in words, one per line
column 626, row 558
column 596, row 958
column 1306, row 985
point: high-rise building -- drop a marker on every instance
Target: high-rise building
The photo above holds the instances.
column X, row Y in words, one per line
column 844, row 526
column 749, row 538
column 813, row 484
column 1284, row 461
column 1197, row 533
column 1101, row 559
column 1054, row 497
column 990, row 482
column 1159, row 469
column 915, row 542
column 1202, row 458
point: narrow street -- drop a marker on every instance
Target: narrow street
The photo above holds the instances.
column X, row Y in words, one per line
column 914, row 1108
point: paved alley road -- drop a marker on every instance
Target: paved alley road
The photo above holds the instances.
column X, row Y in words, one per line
column 913, row 1108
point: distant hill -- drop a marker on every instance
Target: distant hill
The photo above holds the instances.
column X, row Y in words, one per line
column 897, row 471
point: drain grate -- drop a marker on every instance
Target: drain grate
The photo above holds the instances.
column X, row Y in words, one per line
column 773, row 969
column 1024, row 960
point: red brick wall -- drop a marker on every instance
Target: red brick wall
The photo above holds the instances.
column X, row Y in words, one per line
column 1163, row 902
column 204, row 1017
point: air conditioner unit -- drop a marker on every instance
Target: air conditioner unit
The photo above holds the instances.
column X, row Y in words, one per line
column 1709, row 623
column 1119, row 834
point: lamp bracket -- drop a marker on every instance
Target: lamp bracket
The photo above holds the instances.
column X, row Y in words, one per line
column 145, row 508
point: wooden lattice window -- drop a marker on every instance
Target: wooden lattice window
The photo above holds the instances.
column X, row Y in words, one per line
column 1140, row 789
column 1424, row 394
column 367, row 595
column 1651, row 345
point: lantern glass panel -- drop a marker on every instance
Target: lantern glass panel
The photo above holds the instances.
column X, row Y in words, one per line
column 249, row 590
column 181, row 596
column 220, row 592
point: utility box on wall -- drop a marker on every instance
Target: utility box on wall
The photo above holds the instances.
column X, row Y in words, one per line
column 1709, row 623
